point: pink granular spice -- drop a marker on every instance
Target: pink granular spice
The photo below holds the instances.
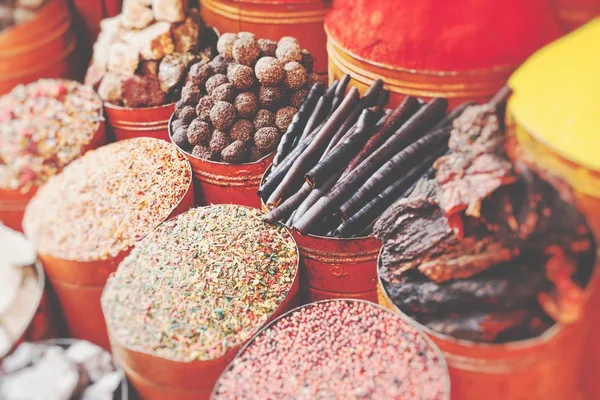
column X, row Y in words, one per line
column 338, row 349
column 438, row 35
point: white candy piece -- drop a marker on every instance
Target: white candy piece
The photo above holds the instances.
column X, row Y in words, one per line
column 15, row 249
column 123, row 59
column 105, row 388
column 25, row 355
column 95, row 361
column 153, row 42
column 136, row 15
column 169, row 10
column 110, row 87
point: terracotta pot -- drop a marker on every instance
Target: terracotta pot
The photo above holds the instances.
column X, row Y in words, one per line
column 571, row 14
column 157, row 378
column 456, row 86
column 79, row 285
column 222, row 183
column 302, row 19
column 14, row 202
column 127, row 123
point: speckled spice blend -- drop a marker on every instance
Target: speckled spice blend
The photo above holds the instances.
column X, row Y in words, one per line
column 201, row 284
column 104, row 202
column 43, row 127
column 339, row 349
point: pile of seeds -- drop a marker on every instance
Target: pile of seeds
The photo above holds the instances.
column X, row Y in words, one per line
column 235, row 108
column 107, row 200
column 141, row 56
column 44, row 126
column 338, row 349
column 201, row 284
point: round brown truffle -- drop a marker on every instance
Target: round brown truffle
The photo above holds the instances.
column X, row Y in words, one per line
column 225, row 45
column 246, row 104
column 308, row 61
column 198, row 133
column 246, row 35
column 240, row 76
column 222, row 115
column 180, row 138
column 203, row 108
column 264, row 119
column 176, row 124
column 298, row 97
column 203, row 152
column 235, row 153
column 271, row 98
column 219, row 141
column 254, row 153
column 267, row 47
column 288, row 39
column 295, row 75
column 190, row 94
column 187, row 114
column 269, row 71
column 199, row 73
column 284, row 117
column 215, row 81
column 224, row 92
column 242, row 129
column 219, row 65
column 246, row 51
column 266, row 139
column 288, row 51
column 314, row 78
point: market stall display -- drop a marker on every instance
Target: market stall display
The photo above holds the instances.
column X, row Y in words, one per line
column 362, row 351
column 84, row 221
column 44, row 126
column 192, row 292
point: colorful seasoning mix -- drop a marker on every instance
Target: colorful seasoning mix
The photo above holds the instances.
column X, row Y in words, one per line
column 107, row 200
column 443, row 36
column 43, row 127
column 201, row 284
column 338, row 349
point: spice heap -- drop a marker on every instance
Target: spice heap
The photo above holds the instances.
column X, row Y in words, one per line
column 433, row 36
column 61, row 369
column 20, row 288
column 338, row 349
column 43, row 127
column 235, row 108
column 348, row 151
column 141, row 56
column 201, row 284
column 487, row 250
column 15, row 12
column 107, row 200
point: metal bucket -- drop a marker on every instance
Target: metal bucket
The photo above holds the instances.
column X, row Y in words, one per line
column 222, row 183
column 127, row 123
column 571, row 14
column 302, row 19
column 457, row 86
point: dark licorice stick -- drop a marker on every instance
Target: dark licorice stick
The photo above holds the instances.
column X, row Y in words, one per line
column 290, row 220
column 315, row 195
column 501, row 97
column 298, row 123
column 340, row 91
column 285, row 209
column 397, row 118
column 316, row 146
column 424, row 119
column 345, row 150
column 406, row 158
column 320, row 111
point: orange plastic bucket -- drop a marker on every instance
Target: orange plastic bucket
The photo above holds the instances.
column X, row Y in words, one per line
column 79, row 285
column 127, row 123
column 456, row 86
column 302, row 19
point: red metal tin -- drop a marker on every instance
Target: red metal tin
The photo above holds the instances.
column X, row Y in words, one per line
column 311, row 295
column 571, row 14
column 79, row 285
column 127, row 123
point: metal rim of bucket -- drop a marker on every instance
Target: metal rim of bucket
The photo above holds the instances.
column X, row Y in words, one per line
column 280, row 13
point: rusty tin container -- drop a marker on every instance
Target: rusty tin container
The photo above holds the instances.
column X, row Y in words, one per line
column 39, row 48
column 457, row 86
column 14, row 202
column 431, row 344
column 127, row 123
column 157, row 378
column 571, row 14
column 79, row 284
column 302, row 19
column 223, row 183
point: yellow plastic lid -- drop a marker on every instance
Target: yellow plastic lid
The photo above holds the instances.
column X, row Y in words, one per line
column 557, row 96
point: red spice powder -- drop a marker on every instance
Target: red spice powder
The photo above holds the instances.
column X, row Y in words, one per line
column 442, row 35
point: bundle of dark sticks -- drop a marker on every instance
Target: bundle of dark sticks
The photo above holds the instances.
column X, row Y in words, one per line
column 345, row 159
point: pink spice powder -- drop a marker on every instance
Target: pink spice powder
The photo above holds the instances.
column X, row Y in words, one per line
column 442, row 35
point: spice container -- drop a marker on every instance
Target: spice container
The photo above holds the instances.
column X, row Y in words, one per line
column 40, row 48
column 224, row 274
column 462, row 51
column 274, row 20
column 571, row 14
column 128, row 123
column 45, row 126
column 84, row 221
column 337, row 349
